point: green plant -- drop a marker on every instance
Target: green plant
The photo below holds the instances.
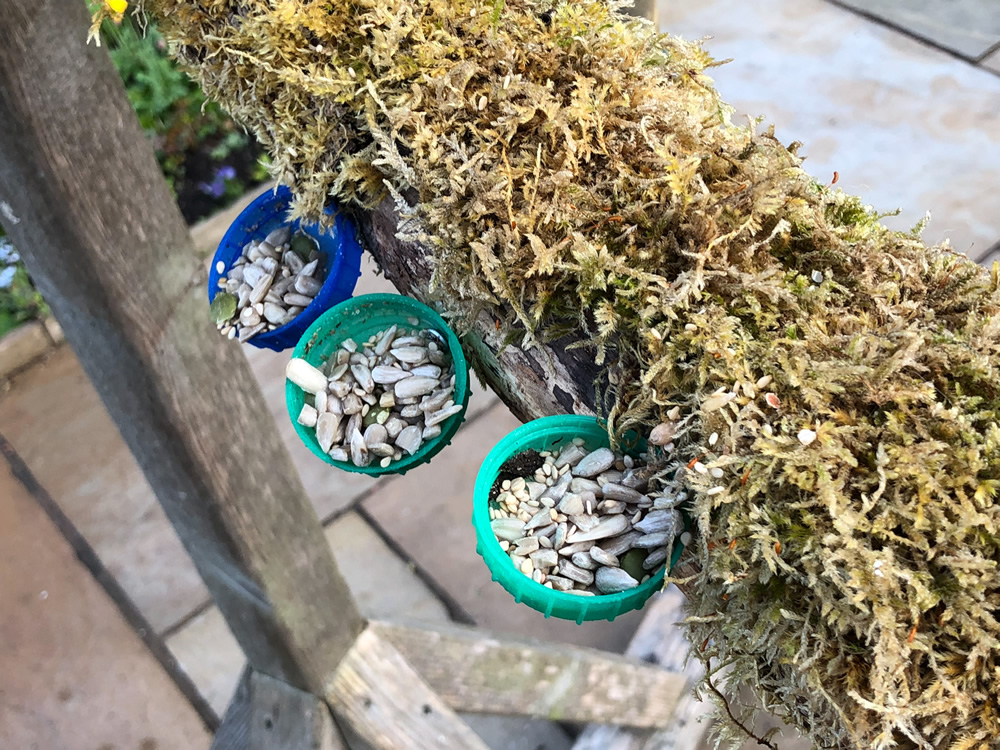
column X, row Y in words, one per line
column 170, row 106
column 19, row 300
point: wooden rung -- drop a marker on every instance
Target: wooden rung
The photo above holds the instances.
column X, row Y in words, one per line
column 478, row 672
column 379, row 698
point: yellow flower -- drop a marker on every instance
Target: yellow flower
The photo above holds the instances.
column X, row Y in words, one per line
column 118, row 6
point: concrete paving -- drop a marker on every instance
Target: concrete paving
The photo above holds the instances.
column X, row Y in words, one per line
column 903, row 123
column 74, row 675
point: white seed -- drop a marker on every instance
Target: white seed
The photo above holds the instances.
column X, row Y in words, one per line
column 764, row 382
column 384, row 375
column 717, row 401
column 817, row 277
column 326, row 429
column 700, row 467
column 716, row 491
column 414, row 386
column 806, row 437
column 308, row 416
column 717, row 472
column 359, row 451
column 713, row 438
column 409, row 439
column 305, row 376
column 220, row 267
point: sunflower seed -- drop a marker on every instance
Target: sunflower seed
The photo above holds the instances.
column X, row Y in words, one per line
column 375, row 433
column 603, row 558
column 363, row 375
column 279, row 236
column 575, row 573
column 410, row 354
column 570, row 456
column 305, row 376
column 660, row 521
column 571, row 505
column 308, row 416
column 359, row 451
column 293, row 299
column 584, row 560
column 594, row 463
column 442, row 415
column 414, row 386
column 611, row 526
column 649, row 541
column 613, row 580
column 620, row 492
column 381, row 450
column 326, row 429
column 508, row 529
column 654, row 558
column 388, row 375
column 409, row 439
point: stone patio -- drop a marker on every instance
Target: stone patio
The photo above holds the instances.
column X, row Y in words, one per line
column 903, row 122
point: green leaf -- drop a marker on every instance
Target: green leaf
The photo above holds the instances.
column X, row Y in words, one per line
column 223, row 307
column 303, row 246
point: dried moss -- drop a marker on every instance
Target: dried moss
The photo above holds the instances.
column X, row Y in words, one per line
column 576, row 171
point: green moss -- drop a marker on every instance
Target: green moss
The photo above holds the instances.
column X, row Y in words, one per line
column 574, row 171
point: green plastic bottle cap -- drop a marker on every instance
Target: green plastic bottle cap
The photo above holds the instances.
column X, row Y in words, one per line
column 548, row 434
column 359, row 319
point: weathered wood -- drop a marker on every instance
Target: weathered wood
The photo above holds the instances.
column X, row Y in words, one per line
column 659, row 640
column 478, row 672
column 267, row 714
column 83, row 200
column 379, row 697
column 234, row 731
column 286, row 718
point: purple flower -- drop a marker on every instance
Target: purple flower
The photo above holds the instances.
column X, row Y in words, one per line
column 217, row 186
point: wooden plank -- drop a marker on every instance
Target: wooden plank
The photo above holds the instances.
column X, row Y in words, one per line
column 477, row 672
column 659, row 640
column 377, row 696
column 290, row 719
column 83, row 199
column 234, row 732
column 267, row 714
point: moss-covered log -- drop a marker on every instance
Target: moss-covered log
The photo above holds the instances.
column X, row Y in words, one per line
column 576, row 194
column 534, row 382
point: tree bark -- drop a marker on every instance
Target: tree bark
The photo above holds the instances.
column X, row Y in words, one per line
column 83, row 200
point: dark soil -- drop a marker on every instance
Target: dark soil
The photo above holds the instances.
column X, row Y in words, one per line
column 523, row 464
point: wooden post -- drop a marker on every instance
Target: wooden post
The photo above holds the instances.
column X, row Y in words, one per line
column 83, row 199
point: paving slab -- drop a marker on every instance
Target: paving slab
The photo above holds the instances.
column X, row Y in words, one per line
column 968, row 27
column 383, row 585
column 74, row 676
column 22, row 346
column 992, row 62
column 428, row 513
column 56, row 422
column 905, row 125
